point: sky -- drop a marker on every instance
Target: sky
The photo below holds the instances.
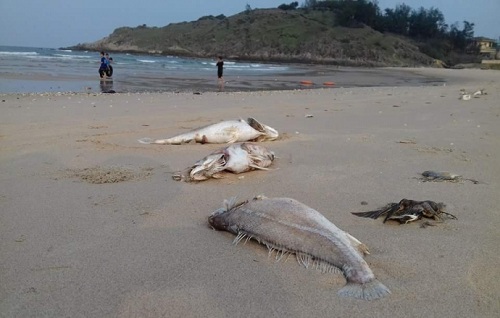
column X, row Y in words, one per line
column 61, row 23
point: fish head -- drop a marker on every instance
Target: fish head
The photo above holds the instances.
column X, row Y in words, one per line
column 268, row 133
column 208, row 166
column 221, row 219
column 430, row 174
column 218, row 221
column 258, row 152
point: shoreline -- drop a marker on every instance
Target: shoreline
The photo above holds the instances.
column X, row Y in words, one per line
column 341, row 76
column 140, row 246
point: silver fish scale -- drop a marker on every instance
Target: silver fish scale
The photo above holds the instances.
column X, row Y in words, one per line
column 287, row 225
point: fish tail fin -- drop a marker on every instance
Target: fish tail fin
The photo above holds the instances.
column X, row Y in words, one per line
column 368, row 291
column 146, row 140
column 369, row 214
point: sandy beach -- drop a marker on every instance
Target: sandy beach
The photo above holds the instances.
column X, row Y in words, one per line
column 92, row 224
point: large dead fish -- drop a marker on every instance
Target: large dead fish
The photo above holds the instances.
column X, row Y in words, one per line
column 227, row 131
column 437, row 176
column 290, row 227
column 408, row 211
column 236, row 158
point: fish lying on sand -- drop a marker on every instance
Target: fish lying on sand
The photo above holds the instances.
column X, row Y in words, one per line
column 408, row 211
column 291, row 227
column 479, row 92
column 236, row 158
column 464, row 95
column 227, row 131
column 436, row 176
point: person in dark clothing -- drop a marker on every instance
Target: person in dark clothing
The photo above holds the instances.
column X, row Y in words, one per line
column 109, row 71
column 104, row 66
column 220, row 68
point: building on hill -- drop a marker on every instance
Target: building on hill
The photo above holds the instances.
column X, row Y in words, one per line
column 486, row 47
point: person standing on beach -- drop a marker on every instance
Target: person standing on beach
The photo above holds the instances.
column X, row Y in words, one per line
column 104, row 66
column 109, row 71
column 220, row 68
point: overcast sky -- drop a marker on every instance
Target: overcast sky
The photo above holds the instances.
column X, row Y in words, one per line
column 58, row 23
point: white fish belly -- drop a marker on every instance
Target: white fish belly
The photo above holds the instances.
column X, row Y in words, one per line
column 223, row 132
column 238, row 161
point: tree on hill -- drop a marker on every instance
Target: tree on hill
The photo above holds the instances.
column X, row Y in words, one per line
column 461, row 39
column 291, row 6
column 397, row 20
column 426, row 26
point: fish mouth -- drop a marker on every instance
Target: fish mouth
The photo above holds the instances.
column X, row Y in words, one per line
column 269, row 133
column 214, row 222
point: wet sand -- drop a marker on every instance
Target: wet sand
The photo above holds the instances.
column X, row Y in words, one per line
column 92, row 224
column 137, row 83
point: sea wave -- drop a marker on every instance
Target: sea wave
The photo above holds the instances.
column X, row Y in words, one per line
column 68, row 56
column 146, row 61
column 18, row 53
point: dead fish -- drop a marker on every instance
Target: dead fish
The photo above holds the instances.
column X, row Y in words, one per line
column 408, row 211
column 430, row 175
column 291, row 227
column 437, row 176
column 479, row 92
column 235, row 158
column 228, row 131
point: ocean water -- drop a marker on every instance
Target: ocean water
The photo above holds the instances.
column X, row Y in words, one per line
column 40, row 70
column 29, row 69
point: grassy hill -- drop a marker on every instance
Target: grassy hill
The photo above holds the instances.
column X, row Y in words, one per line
column 305, row 36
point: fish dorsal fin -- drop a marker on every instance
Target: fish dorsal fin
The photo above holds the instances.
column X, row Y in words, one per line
column 233, row 204
column 229, row 203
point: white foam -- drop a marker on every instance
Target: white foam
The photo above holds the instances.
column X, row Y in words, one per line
column 18, row 53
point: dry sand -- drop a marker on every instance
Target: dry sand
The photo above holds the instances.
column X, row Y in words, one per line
column 92, row 225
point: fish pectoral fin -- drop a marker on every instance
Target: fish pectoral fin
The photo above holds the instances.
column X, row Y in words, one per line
column 233, row 139
column 218, row 175
column 357, row 244
column 257, row 167
column 232, row 134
